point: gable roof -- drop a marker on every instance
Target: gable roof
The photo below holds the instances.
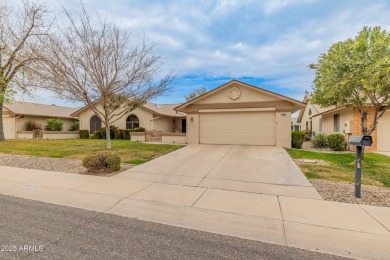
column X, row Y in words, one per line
column 318, row 109
column 295, row 102
column 33, row 109
column 160, row 109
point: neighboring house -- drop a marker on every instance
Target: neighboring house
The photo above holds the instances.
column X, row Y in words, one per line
column 16, row 115
column 239, row 113
column 295, row 126
column 306, row 115
column 149, row 116
column 346, row 120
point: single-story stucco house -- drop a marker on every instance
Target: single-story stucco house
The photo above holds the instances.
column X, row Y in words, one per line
column 239, row 113
column 234, row 113
column 17, row 114
column 345, row 120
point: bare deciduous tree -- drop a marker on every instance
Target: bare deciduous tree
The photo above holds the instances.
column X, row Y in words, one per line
column 92, row 61
column 20, row 31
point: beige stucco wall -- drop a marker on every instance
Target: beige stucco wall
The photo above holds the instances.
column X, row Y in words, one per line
column 9, row 127
column 25, row 135
column 21, row 122
column 163, row 123
column 283, row 126
column 316, row 124
column 327, row 120
column 247, row 95
column 306, row 117
column 193, row 129
column 144, row 116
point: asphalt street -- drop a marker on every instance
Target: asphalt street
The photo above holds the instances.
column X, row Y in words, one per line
column 35, row 230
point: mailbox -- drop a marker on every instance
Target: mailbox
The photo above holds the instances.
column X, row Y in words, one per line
column 362, row 140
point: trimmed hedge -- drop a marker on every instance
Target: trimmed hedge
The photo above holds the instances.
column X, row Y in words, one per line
column 139, row 129
column 126, row 134
column 102, row 162
column 97, row 135
column 102, row 132
column 297, row 138
column 84, row 134
column 336, row 142
column 118, row 134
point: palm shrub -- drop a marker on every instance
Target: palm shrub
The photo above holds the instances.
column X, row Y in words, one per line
column 336, row 142
column 54, row 125
column 297, row 138
column 320, row 141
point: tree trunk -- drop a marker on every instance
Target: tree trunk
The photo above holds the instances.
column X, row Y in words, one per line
column 108, row 137
column 2, row 137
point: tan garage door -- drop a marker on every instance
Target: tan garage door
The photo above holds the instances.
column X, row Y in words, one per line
column 251, row 128
column 383, row 143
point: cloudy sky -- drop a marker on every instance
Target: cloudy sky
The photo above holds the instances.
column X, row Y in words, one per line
column 267, row 43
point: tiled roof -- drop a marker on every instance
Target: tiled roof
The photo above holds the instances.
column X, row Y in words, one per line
column 164, row 109
column 26, row 108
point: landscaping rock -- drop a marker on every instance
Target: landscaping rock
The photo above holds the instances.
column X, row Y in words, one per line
column 45, row 163
column 345, row 192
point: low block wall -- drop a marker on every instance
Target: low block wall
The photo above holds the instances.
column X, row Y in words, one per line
column 137, row 136
column 50, row 135
column 174, row 138
column 167, row 137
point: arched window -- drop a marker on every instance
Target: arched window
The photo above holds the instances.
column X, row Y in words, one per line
column 309, row 111
column 95, row 124
column 132, row 122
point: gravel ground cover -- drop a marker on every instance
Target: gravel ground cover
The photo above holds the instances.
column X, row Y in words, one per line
column 47, row 164
column 344, row 192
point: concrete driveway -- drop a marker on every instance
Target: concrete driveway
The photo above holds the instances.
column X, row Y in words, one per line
column 250, row 192
column 254, row 169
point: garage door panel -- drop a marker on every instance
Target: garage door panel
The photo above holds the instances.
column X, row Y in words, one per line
column 383, row 143
column 250, row 128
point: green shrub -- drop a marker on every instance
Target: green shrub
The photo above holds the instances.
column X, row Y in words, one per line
column 102, row 162
column 320, row 140
column 126, row 134
column 31, row 125
column 112, row 132
column 84, row 134
column 297, row 138
column 54, row 124
column 139, row 129
column 75, row 126
column 97, row 135
column 95, row 162
column 113, row 163
column 336, row 142
column 119, row 134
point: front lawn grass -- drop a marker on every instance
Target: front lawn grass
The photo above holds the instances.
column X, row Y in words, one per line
column 130, row 152
column 376, row 167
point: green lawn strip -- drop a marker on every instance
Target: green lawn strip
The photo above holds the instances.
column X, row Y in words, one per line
column 130, row 152
column 376, row 167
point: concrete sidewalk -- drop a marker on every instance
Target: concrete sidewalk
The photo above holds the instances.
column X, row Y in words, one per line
column 338, row 228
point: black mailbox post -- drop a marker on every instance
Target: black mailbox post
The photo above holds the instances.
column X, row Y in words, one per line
column 359, row 142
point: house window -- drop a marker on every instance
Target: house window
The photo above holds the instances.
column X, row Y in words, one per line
column 336, row 123
column 297, row 128
column 95, row 124
column 309, row 111
column 132, row 122
column 307, row 125
column 320, row 125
